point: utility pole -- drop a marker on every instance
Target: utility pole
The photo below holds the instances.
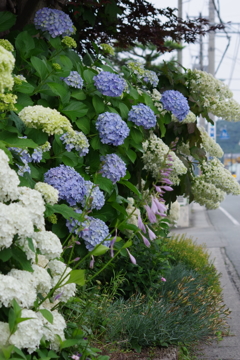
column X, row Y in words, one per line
column 180, row 15
column 211, row 62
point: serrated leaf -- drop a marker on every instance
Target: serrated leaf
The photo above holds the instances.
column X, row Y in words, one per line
column 98, row 104
column 47, row 314
column 84, row 124
column 5, row 254
column 7, row 20
column 17, row 121
column 103, row 183
column 77, row 277
column 66, row 211
column 39, row 66
column 75, row 109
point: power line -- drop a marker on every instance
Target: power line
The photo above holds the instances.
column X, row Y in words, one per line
column 227, row 36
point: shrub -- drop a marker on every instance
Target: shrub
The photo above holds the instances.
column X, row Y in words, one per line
column 194, row 257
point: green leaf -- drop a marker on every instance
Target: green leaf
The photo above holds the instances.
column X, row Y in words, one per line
column 126, row 226
column 17, row 121
column 38, row 136
column 133, row 93
column 5, row 254
column 13, row 140
column 78, row 94
column 30, row 244
column 98, row 104
column 19, row 352
column 162, row 127
column 55, row 42
column 129, row 242
column 95, row 143
column 24, row 88
column 7, row 20
column 40, row 66
column 65, row 62
column 84, row 124
column 132, row 187
column 24, row 43
column 75, row 109
column 47, row 314
column 103, row 183
column 20, row 257
column 70, row 159
column 131, row 155
column 23, row 100
column 12, row 317
column 100, row 250
column 66, row 211
column 77, row 277
column 123, row 110
column 136, row 135
column 60, row 90
column 119, row 208
column 6, row 351
column 88, row 76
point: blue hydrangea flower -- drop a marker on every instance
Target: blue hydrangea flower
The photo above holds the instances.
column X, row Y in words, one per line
column 143, row 116
column 68, row 182
column 55, row 22
column 94, row 196
column 150, row 77
column 109, row 84
column 37, row 155
column 113, row 167
column 92, row 231
column 175, row 102
column 76, row 140
column 74, row 80
column 112, row 129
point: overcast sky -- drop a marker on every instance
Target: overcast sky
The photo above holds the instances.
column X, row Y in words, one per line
column 229, row 70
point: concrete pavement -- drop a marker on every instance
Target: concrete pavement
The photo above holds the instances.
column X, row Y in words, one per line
column 203, row 232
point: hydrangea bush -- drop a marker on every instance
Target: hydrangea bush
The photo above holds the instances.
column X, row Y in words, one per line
column 78, row 141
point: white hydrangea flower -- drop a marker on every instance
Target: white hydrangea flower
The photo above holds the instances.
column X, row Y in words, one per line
column 7, row 63
column 39, row 278
column 57, row 268
column 174, row 212
column 5, row 333
column 29, row 332
column 21, row 291
column 207, row 194
column 190, row 118
column 49, row 193
column 46, row 119
column 228, row 109
column 215, row 173
column 132, row 212
column 209, row 144
column 9, row 180
column 154, row 156
column 14, row 219
column 51, row 330
column 48, row 243
column 33, row 201
column 42, row 261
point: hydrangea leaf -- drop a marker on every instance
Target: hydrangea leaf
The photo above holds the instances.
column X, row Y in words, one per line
column 40, row 67
column 7, row 20
column 75, row 109
column 84, row 124
column 25, row 44
column 98, row 104
column 61, row 91
column 66, row 211
column 47, row 314
column 77, row 277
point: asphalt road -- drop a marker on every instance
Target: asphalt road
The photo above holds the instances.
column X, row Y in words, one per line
column 226, row 221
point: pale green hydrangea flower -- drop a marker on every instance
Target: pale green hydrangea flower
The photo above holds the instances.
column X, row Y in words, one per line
column 6, row 45
column 69, row 42
column 108, row 49
column 210, row 145
column 49, row 193
column 207, row 194
column 46, row 119
column 56, row 66
column 7, row 102
column 7, row 62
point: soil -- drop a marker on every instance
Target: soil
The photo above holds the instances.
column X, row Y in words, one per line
column 155, row 353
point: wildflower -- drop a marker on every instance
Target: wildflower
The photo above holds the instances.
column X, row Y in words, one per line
column 145, row 240
column 151, row 234
column 132, row 258
column 141, row 224
column 150, row 214
column 163, row 279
